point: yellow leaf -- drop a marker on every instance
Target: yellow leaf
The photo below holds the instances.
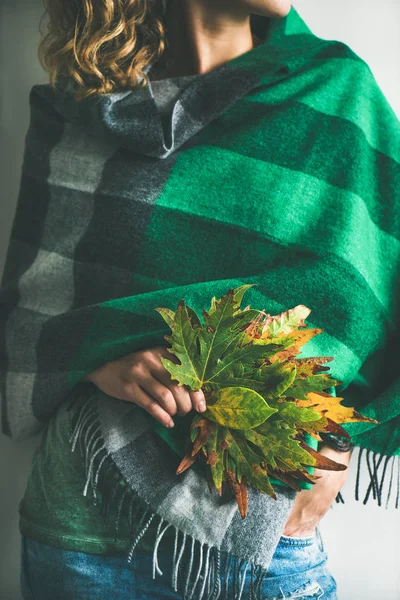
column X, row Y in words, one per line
column 331, row 407
column 300, row 338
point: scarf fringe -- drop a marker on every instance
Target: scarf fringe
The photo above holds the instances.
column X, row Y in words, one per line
column 203, row 573
column 377, row 466
column 198, row 577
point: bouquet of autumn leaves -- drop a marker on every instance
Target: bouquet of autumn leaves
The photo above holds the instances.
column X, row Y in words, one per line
column 261, row 398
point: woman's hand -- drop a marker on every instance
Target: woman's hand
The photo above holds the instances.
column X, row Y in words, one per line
column 141, row 378
column 311, row 505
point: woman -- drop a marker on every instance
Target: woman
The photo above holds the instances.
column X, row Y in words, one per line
column 107, row 50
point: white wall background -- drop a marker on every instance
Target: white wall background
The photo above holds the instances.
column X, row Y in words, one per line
column 363, row 542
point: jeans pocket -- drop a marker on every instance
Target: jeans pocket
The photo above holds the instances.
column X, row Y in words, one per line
column 298, row 570
column 307, row 540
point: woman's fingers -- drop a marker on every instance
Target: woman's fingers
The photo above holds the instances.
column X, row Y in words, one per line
column 151, row 375
column 186, row 399
column 160, row 393
column 149, row 404
column 141, row 378
column 198, row 400
column 180, row 393
column 182, row 398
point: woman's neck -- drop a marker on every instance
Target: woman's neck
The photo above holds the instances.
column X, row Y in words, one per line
column 202, row 36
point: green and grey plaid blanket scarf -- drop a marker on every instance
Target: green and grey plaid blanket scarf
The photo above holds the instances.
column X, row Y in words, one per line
column 280, row 168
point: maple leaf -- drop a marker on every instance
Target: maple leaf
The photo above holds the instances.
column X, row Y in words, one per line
column 311, row 365
column 296, row 340
column 332, row 409
column 296, row 417
column 244, row 371
column 207, row 352
column 287, row 322
column 238, row 408
column 245, row 469
column 262, row 399
column 215, row 456
column 301, row 387
column 278, row 447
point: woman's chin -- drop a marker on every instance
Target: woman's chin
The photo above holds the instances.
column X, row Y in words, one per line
column 275, row 9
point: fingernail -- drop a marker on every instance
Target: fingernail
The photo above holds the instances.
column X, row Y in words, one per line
column 171, row 424
column 202, row 406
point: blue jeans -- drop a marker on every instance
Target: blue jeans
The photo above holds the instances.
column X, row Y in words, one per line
column 297, row 570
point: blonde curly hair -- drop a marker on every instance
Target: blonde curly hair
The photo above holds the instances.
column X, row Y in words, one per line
column 102, row 45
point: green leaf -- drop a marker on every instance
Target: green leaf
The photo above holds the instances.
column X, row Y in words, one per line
column 225, row 369
column 199, row 348
column 219, row 354
column 215, row 456
column 194, row 319
column 275, row 443
column 239, row 292
column 184, row 347
column 296, row 417
column 247, row 463
column 168, row 315
column 275, row 379
column 238, row 408
column 221, row 331
column 315, row 383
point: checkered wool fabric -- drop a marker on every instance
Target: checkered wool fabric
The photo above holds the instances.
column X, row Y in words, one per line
column 280, row 168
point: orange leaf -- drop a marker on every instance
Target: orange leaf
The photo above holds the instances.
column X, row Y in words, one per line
column 300, row 338
column 186, row 462
column 323, row 462
column 333, row 427
column 241, row 492
column 330, row 407
column 206, row 428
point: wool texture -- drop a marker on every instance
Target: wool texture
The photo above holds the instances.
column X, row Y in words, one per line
column 280, row 168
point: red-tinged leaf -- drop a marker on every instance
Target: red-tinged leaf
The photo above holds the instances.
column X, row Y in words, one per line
column 333, row 427
column 303, row 475
column 210, row 481
column 186, row 462
column 315, row 436
column 322, row 461
column 188, row 459
column 285, row 478
column 240, row 491
column 307, row 367
column 205, row 427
